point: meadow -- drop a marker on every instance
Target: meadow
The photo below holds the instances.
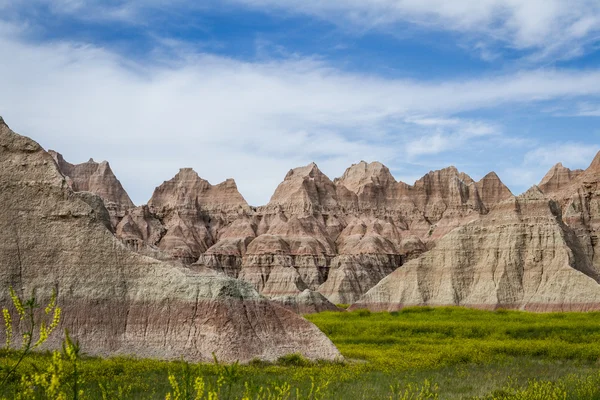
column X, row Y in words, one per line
column 417, row 353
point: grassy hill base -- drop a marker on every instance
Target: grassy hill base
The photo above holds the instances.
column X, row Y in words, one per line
column 417, row 353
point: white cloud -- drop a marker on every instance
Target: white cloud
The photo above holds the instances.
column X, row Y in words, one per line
column 588, row 110
column 449, row 134
column 251, row 121
column 571, row 154
column 551, row 28
column 537, row 162
column 545, row 29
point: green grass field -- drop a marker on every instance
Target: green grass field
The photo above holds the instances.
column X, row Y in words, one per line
column 417, row 353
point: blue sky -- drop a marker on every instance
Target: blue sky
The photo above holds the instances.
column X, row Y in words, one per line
column 251, row 88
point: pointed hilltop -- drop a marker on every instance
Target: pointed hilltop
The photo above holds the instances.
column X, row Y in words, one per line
column 97, row 178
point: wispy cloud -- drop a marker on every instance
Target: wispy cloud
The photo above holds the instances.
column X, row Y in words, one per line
column 578, row 109
column 441, row 135
column 545, row 30
column 248, row 120
column 548, row 28
column 588, row 110
column 572, row 154
column 538, row 161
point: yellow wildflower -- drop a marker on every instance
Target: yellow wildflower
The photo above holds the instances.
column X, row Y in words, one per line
column 8, row 326
column 17, row 302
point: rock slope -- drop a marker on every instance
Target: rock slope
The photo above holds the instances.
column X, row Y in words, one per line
column 97, row 178
column 116, row 301
column 336, row 237
column 367, row 238
column 537, row 251
column 578, row 194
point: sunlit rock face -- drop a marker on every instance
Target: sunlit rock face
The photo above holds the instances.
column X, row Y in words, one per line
column 116, row 301
column 578, row 194
column 337, row 237
column 97, row 178
column 538, row 251
column 361, row 237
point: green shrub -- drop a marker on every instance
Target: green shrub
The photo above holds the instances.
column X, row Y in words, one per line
column 363, row 313
column 293, row 360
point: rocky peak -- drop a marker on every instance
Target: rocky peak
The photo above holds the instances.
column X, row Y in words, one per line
column 445, row 189
column 116, row 301
column 188, row 190
column 492, row 190
column 557, row 178
column 441, row 179
column 97, row 178
column 595, row 165
column 304, row 189
column 363, row 173
column 311, row 170
column 533, row 193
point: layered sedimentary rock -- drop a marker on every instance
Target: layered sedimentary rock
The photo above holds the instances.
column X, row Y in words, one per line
column 307, row 302
column 343, row 237
column 434, row 205
column 521, row 255
column 187, row 215
column 97, row 178
column 337, row 237
column 578, row 193
column 558, row 178
column 446, row 239
column 116, row 301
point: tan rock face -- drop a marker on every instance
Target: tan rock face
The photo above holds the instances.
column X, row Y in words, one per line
column 97, row 178
column 447, row 239
column 339, row 237
column 558, row 178
column 343, row 237
column 307, row 302
column 187, row 215
column 116, row 301
column 305, row 190
column 492, row 191
column 188, row 191
column 578, row 194
column 521, row 255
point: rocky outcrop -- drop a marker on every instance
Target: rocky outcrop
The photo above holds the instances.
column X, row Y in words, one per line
column 336, row 237
column 116, row 301
column 445, row 240
column 97, row 178
column 492, row 191
column 307, row 302
column 521, row 255
column 187, row 215
column 578, row 194
column 558, row 178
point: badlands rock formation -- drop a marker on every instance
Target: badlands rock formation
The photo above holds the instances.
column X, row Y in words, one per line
column 336, row 237
column 578, row 194
column 537, row 251
column 307, row 302
column 116, row 301
column 364, row 238
column 97, row 178
column 558, row 178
